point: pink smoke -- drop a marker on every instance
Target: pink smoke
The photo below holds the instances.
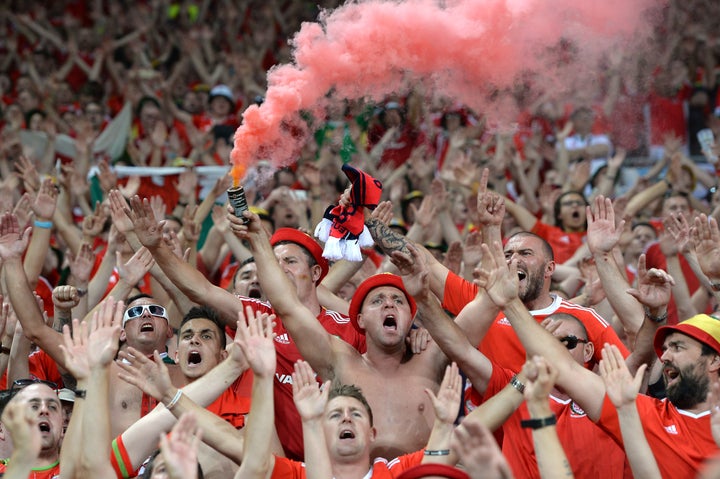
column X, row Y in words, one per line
column 465, row 50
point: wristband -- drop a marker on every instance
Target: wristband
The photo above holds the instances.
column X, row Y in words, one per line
column 4, row 350
column 175, row 400
column 517, row 384
column 539, row 423
column 46, row 225
column 437, row 452
column 80, row 393
column 655, row 319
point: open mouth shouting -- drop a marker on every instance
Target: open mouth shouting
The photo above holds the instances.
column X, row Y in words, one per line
column 44, row 426
column 254, row 292
column 347, row 434
column 194, row 358
column 147, row 327
column 671, row 374
column 390, row 322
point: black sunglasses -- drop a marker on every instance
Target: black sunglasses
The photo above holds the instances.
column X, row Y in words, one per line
column 22, row 383
column 571, row 342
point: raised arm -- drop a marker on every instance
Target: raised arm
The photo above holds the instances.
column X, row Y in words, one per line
column 551, row 458
column 19, row 419
column 316, row 345
column 188, row 279
column 12, row 244
column 602, row 237
column 501, row 283
column 622, row 390
column 256, row 341
column 100, row 339
column 446, row 405
column 310, row 402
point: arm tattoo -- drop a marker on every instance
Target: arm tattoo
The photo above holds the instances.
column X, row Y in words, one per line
column 386, row 239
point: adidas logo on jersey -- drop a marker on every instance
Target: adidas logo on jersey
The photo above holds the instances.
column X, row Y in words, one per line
column 283, row 338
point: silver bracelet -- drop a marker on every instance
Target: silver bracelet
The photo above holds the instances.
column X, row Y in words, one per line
column 175, row 400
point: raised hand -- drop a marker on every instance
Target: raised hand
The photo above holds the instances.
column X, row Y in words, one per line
column 104, row 333
column 499, row 279
column 136, row 267
column 255, row 338
column 490, row 205
column 157, row 204
column 706, row 238
column 20, row 421
column 117, row 212
column 45, row 200
column 22, row 209
column 309, row 400
column 654, row 286
column 383, row 212
column 622, row 388
column 677, row 227
column 540, row 380
column 447, row 400
column 180, row 448
column 93, row 224
column 74, row 349
column 81, row 265
column 147, row 228
column 478, row 451
column 65, row 297
column 414, row 270
column 28, row 173
column 151, row 376
column 602, row 232
column 13, row 240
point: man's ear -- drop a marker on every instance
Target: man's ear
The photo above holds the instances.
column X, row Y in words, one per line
column 360, row 321
column 316, row 271
column 588, row 351
column 223, row 354
column 123, row 336
column 714, row 365
column 549, row 269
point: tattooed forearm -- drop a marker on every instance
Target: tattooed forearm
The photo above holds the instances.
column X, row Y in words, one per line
column 386, row 239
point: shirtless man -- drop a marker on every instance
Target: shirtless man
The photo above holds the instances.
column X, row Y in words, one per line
column 392, row 378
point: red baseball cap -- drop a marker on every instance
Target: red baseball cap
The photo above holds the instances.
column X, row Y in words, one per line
column 306, row 241
column 440, row 470
column 376, row 281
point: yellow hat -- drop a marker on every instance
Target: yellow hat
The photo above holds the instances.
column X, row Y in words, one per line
column 701, row 327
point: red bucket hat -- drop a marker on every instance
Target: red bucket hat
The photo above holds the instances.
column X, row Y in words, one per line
column 306, row 241
column 376, row 281
column 701, row 327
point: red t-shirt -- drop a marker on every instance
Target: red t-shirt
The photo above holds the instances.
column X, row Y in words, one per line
column 592, row 453
column 667, row 116
column 287, row 419
column 563, row 244
column 502, row 345
column 381, row 468
column 681, row 441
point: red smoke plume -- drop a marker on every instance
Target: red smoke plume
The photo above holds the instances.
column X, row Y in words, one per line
column 466, row 50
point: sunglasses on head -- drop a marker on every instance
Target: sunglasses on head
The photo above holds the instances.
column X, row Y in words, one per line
column 137, row 311
column 571, row 342
column 22, row 383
